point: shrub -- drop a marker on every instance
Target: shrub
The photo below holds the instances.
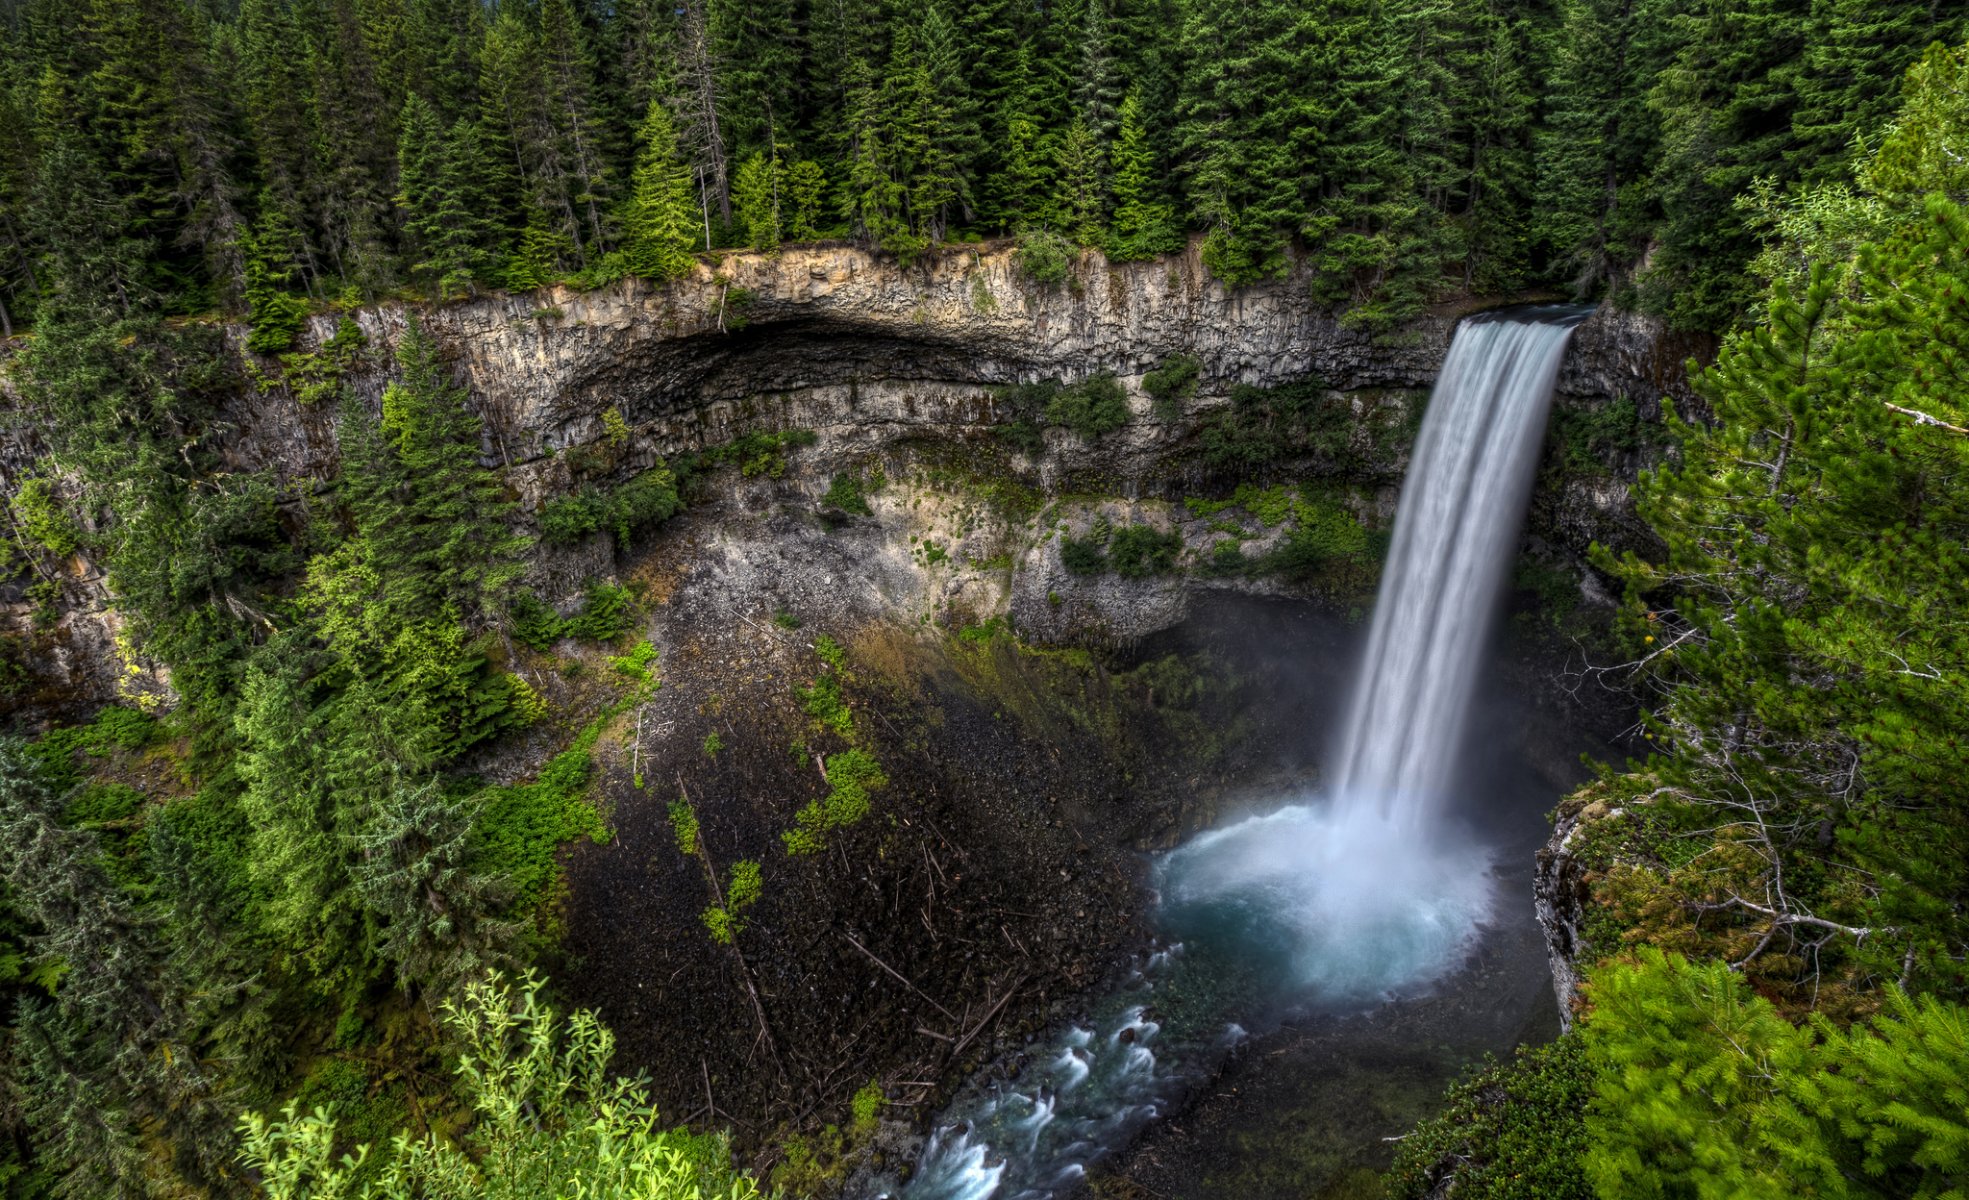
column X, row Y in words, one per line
column 1021, row 407
column 103, row 804
column 1514, row 1130
column 851, row 776
column 649, row 499
column 1172, row 385
column 567, row 520
column 683, row 826
column 1263, row 426
column 43, row 518
column 1323, row 534
column 606, row 614
column 1044, row 257
column 119, row 727
column 1084, row 556
column 1143, row 550
column 742, row 889
column 845, row 494
column 1091, row 408
column 534, row 623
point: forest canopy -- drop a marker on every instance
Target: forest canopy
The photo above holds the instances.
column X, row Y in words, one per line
column 263, row 156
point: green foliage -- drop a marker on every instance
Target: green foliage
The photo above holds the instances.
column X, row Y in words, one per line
column 1702, row 1088
column 824, row 703
column 851, row 776
column 1138, row 551
column 1509, row 1131
column 754, row 454
column 1045, row 258
column 712, row 744
column 1172, row 385
column 43, row 518
column 867, row 1105
column 849, row 493
column 660, row 221
column 316, row 376
column 1261, row 427
column 742, row 890
column 1085, row 555
column 548, row 1118
column 644, row 502
column 1091, row 408
column 1801, row 615
column 607, row 611
column 683, row 826
column 520, row 827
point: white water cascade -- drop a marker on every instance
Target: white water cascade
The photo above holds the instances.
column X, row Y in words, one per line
column 1337, row 900
column 1458, row 522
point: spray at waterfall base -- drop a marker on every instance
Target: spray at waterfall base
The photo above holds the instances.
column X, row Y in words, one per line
column 1335, row 902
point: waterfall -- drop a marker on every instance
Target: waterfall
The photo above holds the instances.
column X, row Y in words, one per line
column 1338, row 901
column 1455, row 529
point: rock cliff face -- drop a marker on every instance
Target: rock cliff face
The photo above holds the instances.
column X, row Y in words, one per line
column 834, row 338
column 871, row 356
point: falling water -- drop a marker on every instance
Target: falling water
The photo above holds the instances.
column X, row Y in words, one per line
column 1339, row 900
column 1459, row 516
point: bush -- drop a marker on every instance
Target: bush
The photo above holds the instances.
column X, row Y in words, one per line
column 567, row 520
column 1084, row 556
column 534, row 623
column 1021, row 409
column 1091, row 408
column 1263, row 426
column 43, row 518
column 1511, row 1131
column 606, row 614
column 1324, row 534
column 1172, row 385
column 1044, row 257
column 851, row 776
column 845, row 494
column 1143, row 550
column 649, row 499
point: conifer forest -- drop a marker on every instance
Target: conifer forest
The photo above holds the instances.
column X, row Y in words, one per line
column 664, row 599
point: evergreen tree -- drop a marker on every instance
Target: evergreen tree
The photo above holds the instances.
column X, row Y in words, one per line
column 1079, row 203
column 756, row 193
column 1856, row 52
column 411, row 870
column 660, row 223
column 757, row 46
column 1145, row 223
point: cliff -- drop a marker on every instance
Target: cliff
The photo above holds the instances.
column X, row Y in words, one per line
column 873, row 356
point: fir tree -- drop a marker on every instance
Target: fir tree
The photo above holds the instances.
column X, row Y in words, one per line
column 412, row 871
column 660, row 223
column 1145, row 223
column 756, row 194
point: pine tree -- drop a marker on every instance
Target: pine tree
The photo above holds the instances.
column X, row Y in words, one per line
column 660, row 223
column 757, row 46
column 1145, row 223
column 756, row 195
column 1855, row 55
column 1597, row 142
column 567, row 72
column 412, row 870
column 1079, row 200
column 806, row 187
column 874, row 200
